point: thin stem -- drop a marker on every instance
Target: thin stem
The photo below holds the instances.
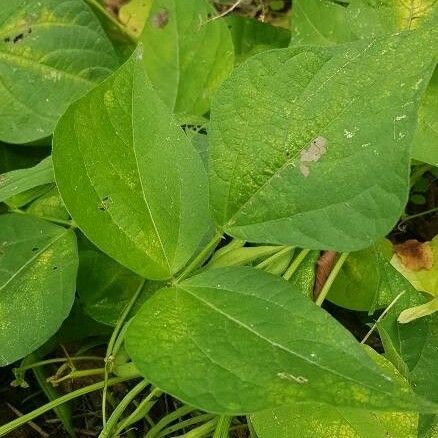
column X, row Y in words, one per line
column 423, row 213
column 381, row 317
column 331, row 278
column 95, row 4
column 274, row 257
column 200, row 258
column 58, row 360
column 201, row 431
column 186, row 423
column 140, row 411
column 222, row 427
column 9, row 427
column 295, row 264
column 178, row 413
column 55, row 220
column 76, row 375
column 109, row 358
column 121, row 407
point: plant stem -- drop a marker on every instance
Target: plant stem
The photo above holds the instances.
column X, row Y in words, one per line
column 331, row 278
column 201, row 431
column 222, row 427
column 121, row 407
column 55, row 220
column 200, row 258
column 140, row 411
column 9, row 427
column 273, row 257
column 178, row 413
column 58, row 360
column 186, row 423
column 109, row 358
column 413, row 216
column 77, row 375
column 295, row 264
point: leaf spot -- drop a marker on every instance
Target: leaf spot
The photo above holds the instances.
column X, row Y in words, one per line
column 316, row 149
column 298, row 379
column 160, row 19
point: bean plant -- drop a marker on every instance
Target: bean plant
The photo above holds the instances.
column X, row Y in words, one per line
column 184, row 184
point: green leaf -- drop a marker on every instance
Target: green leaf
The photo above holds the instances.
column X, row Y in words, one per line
column 298, row 134
column 368, row 18
column 239, row 340
column 19, row 181
column 38, row 264
column 130, row 177
column 187, row 55
column 51, row 52
column 325, row 421
column 320, row 22
column 426, row 138
column 49, row 205
column 251, row 36
column 106, row 287
column 134, row 15
column 359, row 285
column 304, row 277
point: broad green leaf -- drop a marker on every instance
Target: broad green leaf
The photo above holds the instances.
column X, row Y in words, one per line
column 304, row 277
column 324, row 421
column 134, row 15
column 187, row 55
column 238, row 340
column 426, row 138
column 251, row 36
column 359, row 285
column 49, row 205
column 25, row 198
column 38, row 264
column 51, row 52
column 130, row 177
column 106, row 287
column 368, row 18
column 320, row 22
column 297, row 136
column 19, row 181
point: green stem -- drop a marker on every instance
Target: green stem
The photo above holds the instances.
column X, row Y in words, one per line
column 223, row 427
column 178, row 413
column 140, row 411
column 121, row 407
column 55, row 220
column 295, row 264
column 77, row 375
column 331, row 278
column 251, row 430
column 58, row 360
column 125, row 31
column 200, row 258
column 109, row 358
column 186, row 423
column 9, row 427
column 201, row 431
column 263, row 264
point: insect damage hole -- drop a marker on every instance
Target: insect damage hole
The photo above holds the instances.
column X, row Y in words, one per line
column 298, row 379
column 316, row 149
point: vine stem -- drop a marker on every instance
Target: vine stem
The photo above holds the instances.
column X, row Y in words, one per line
column 273, row 258
column 121, row 407
column 200, row 258
column 55, row 220
column 58, row 360
column 109, row 358
column 9, row 427
column 222, row 427
column 331, row 278
column 169, row 418
column 295, row 264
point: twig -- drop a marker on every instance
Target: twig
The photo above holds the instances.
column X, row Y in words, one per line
column 226, row 12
